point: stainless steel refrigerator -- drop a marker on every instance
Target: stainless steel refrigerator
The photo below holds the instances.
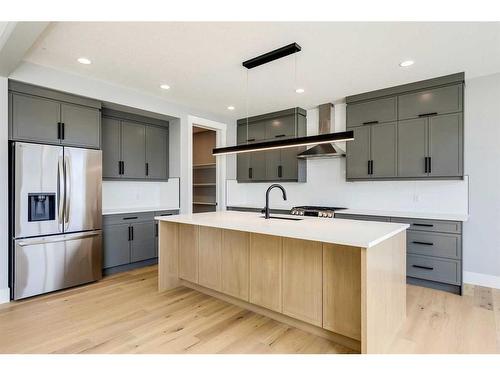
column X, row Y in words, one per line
column 55, row 218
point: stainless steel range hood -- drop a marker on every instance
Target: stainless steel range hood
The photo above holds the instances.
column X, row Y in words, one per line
column 326, row 150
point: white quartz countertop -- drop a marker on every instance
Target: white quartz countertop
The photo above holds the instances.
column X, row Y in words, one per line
column 116, row 211
column 413, row 215
column 337, row 231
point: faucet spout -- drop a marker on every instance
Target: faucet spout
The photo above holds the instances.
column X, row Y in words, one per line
column 266, row 209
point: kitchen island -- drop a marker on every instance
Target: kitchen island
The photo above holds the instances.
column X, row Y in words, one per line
column 341, row 279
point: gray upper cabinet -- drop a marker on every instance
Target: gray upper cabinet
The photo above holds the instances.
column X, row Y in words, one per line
column 156, row 153
column 133, row 149
column 35, row 119
column 424, row 139
column 46, row 116
column 82, row 126
column 358, row 153
column 383, row 147
column 372, row 112
column 435, row 101
column 272, row 165
column 445, row 145
column 111, row 148
column 412, row 148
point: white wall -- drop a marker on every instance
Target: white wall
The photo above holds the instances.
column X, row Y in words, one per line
column 482, row 164
column 4, row 232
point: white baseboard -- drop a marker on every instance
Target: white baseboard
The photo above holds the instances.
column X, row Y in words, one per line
column 482, row 279
column 4, row 295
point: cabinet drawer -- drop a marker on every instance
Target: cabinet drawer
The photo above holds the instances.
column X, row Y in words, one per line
column 437, row 101
column 373, row 111
column 132, row 217
column 166, row 213
column 435, row 269
column 434, row 244
column 431, row 225
column 362, row 217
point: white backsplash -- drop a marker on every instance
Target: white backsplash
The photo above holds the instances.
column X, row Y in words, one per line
column 326, row 185
column 140, row 194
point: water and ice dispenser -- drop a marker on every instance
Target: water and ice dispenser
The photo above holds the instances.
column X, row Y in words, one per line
column 41, row 206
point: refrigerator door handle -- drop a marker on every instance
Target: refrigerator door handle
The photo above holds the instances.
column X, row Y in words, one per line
column 67, row 190
column 61, row 193
column 60, row 238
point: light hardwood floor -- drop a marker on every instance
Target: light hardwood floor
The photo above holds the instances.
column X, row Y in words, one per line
column 124, row 313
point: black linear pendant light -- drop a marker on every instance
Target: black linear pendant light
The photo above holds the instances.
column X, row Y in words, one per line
column 284, row 143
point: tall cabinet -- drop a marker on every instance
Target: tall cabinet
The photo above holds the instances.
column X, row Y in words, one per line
column 272, row 165
column 413, row 131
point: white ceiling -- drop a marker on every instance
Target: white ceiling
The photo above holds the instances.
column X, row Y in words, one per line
column 202, row 61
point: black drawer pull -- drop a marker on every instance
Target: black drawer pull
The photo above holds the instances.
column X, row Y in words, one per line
column 423, row 267
column 429, row 165
column 423, row 243
column 428, row 114
column 250, row 139
column 129, row 234
column 370, row 122
column 422, row 225
column 58, row 130
column 280, row 135
column 369, row 167
column 132, row 232
column 147, row 169
column 156, row 229
column 62, row 130
column 130, row 218
column 166, row 214
column 250, row 173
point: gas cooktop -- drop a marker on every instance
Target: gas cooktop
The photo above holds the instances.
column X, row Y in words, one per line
column 319, row 211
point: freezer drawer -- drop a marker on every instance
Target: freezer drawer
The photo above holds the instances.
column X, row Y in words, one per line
column 45, row 264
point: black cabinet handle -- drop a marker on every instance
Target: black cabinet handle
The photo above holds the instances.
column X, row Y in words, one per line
column 132, row 233
column 422, row 225
column 280, row 171
column 250, row 173
column 426, row 168
column 280, row 135
column 423, row 243
column 123, row 167
column 58, row 130
column 147, row 169
column 423, row 267
column 369, row 164
column 370, row 122
column 250, row 139
column 371, row 167
column 129, row 234
column 130, row 218
column 156, row 229
column 429, row 166
column 427, row 114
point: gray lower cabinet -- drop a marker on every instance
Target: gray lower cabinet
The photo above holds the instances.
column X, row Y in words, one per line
column 52, row 120
column 434, row 250
column 134, row 150
column 272, row 165
column 130, row 240
column 116, row 245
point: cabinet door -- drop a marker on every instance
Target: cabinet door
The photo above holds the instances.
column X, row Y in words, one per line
column 282, row 127
column 412, row 147
column 383, row 142
column 358, row 153
column 235, row 263
column 133, row 150
column 265, row 271
column 257, row 132
column 342, row 290
column 273, row 163
column 188, row 253
column 445, row 145
column 82, row 126
column 379, row 110
column 303, row 280
column 142, row 246
column 289, row 163
column 116, row 245
column 243, row 167
column 35, row 119
column 209, row 257
column 440, row 100
column 241, row 134
column 157, row 153
column 257, row 164
column 111, row 139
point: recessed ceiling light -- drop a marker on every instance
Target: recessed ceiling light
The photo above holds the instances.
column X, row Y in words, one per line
column 300, row 91
column 84, row 60
column 231, row 108
column 406, row 63
column 165, row 87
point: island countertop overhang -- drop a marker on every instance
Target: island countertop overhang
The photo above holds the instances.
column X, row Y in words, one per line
column 363, row 234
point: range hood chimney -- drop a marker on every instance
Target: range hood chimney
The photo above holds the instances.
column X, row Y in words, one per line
column 326, row 150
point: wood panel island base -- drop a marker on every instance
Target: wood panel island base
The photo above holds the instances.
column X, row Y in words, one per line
column 340, row 279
